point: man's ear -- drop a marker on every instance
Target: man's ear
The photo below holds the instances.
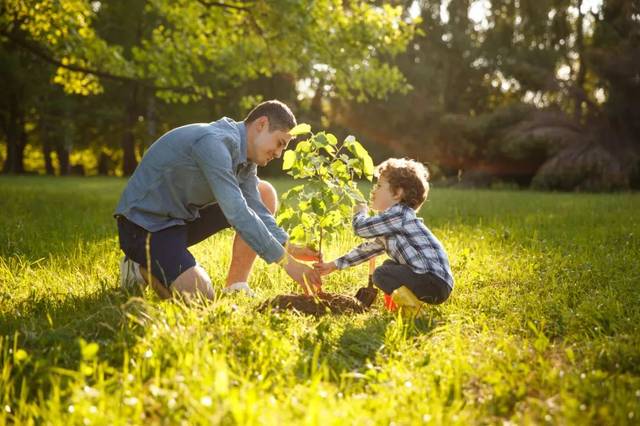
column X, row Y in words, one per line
column 262, row 122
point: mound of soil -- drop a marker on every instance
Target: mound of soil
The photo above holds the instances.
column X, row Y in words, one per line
column 320, row 304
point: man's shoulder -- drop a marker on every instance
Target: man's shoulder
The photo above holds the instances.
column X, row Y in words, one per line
column 225, row 127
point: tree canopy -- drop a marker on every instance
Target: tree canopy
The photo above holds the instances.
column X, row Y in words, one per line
column 186, row 51
column 529, row 91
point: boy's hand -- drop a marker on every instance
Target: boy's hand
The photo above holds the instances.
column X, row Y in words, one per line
column 303, row 253
column 325, row 268
column 360, row 208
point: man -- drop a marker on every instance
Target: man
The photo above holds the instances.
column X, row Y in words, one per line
column 195, row 181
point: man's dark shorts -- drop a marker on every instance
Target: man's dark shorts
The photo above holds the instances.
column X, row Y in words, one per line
column 166, row 251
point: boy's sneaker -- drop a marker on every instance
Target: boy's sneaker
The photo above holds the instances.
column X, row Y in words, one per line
column 130, row 278
column 241, row 286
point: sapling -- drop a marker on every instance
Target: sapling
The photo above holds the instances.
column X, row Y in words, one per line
column 323, row 203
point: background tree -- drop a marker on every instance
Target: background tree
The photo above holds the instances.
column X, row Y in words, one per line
column 519, row 91
column 184, row 51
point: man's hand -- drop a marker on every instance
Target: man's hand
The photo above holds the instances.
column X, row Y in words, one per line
column 325, row 268
column 308, row 278
column 303, row 253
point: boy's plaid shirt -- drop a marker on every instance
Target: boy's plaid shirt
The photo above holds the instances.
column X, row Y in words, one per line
column 404, row 237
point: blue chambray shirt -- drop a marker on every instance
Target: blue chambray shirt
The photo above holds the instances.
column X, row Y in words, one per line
column 192, row 167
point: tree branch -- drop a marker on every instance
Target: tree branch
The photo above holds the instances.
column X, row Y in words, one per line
column 47, row 57
column 223, row 5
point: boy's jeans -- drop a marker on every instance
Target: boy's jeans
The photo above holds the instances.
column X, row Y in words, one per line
column 428, row 287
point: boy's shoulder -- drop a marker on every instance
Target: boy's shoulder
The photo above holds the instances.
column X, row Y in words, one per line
column 398, row 210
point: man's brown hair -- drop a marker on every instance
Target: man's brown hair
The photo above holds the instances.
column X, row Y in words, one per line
column 410, row 176
column 279, row 115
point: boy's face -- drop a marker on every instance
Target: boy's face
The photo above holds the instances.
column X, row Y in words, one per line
column 382, row 197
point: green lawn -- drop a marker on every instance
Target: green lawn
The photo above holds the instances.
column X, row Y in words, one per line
column 542, row 326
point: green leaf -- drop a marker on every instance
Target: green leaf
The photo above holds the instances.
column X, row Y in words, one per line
column 368, row 167
column 359, row 150
column 284, row 215
column 332, row 139
column 300, row 129
column 339, row 168
column 297, row 233
column 318, row 206
column 329, row 149
column 304, row 146
column 288, row 160
column 320, row 140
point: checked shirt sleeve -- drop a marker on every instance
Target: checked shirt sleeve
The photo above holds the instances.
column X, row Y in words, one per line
column 384, row 224
column 361, row 253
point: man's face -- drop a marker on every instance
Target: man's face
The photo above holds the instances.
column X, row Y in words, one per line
column 269, row 145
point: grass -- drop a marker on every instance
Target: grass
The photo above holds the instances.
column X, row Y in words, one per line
column 542, row 326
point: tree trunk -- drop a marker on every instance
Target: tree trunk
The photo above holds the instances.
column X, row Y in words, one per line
column 582, row 67
column 45, row 139
column 128, row 139
column 46, row 151
column 16, row 138
column 63, row 160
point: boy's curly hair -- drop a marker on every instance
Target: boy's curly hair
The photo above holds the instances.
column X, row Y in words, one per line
column 410, row 176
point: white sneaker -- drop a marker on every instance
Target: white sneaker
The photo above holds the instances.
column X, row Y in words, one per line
column 130, row 277
column 238, row 287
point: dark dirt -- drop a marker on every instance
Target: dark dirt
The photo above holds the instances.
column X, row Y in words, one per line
column 325, row 303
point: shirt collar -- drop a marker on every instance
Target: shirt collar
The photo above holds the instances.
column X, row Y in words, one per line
column 243, row 141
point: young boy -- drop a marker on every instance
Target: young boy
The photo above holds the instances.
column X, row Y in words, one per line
column 418, row 270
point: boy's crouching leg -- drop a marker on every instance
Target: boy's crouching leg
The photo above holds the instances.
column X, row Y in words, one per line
column 193, row 282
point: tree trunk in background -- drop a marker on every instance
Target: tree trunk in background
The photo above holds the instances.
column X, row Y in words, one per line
column 46, row 151
column 582, row 67
column 128, row 140
column 63, row 160
column 45, row 138
column 16, row 137
column 151, row 118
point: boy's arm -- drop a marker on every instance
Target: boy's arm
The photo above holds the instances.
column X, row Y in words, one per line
column 361, row 253
column 383, row 224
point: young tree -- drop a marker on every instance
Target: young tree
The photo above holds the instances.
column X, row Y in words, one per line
column 322, row 204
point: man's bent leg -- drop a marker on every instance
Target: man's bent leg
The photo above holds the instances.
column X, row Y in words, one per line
column 192, row 282
column 243, row 256
column 162, row 291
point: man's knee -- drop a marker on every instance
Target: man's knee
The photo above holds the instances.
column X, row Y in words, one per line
column 193, row 280
column 269, row 195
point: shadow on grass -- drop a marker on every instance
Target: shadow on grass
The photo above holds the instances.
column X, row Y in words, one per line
column 51, row 329
column 45, row 217
column 362, row 341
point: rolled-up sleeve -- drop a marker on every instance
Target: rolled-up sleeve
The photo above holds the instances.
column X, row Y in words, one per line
column 363, row 252
column 214, row 159
column 250, row 190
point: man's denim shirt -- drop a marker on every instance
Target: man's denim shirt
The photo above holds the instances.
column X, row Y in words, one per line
column 192, row 167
